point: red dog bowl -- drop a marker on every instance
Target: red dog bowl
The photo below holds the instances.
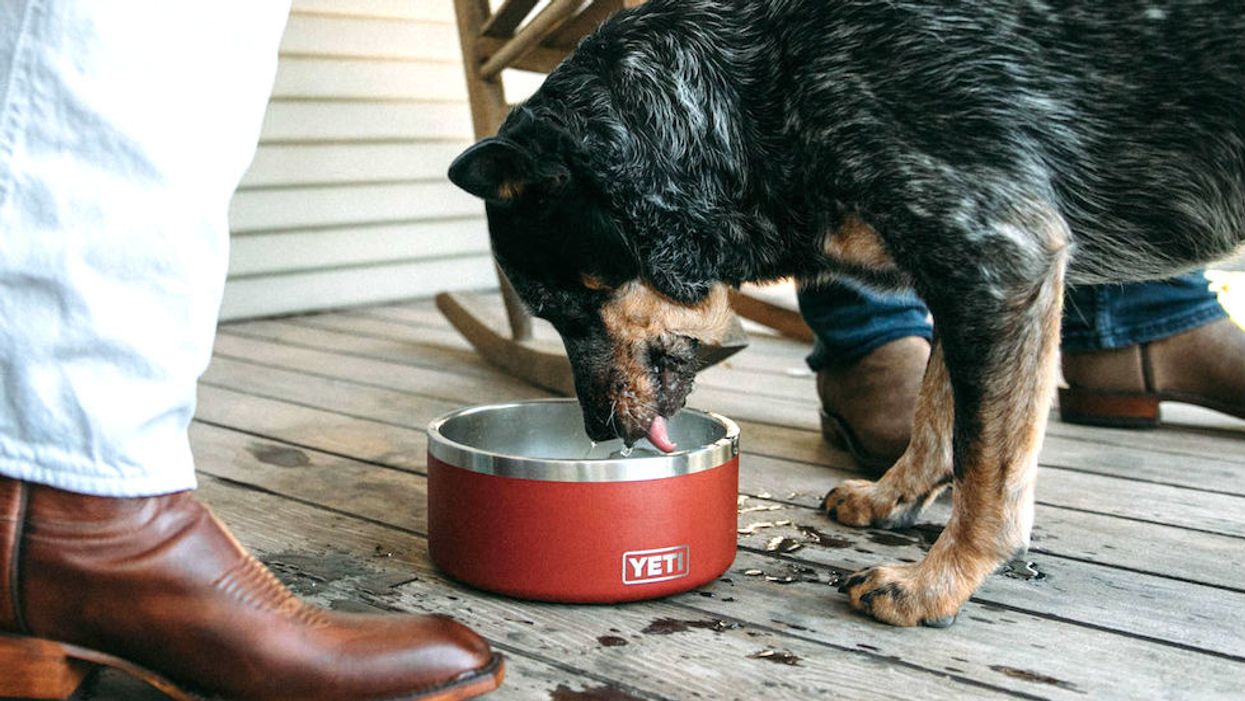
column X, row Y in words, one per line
column 520, row 502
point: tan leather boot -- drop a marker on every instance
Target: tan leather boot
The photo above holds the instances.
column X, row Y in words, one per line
column 1123, row 388
column 867, row 407
column 157, row 588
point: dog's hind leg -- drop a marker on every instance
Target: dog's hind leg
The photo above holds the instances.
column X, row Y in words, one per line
column 998, row 325
column 921, row 473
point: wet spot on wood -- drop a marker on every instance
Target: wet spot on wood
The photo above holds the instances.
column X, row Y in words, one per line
column 666, row 626
column 595, row 693
column 891, row 539
column 351, row 606
column 279, row 455
column 611, row 641
column 777, row 657
column 309, row 574
column 927, row 532
column 823, row 539
column 1023, row 570
column 1035, row 677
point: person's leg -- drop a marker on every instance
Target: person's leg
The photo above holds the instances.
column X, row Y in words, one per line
column 123, row 131
column 850, row 320
column 870, row 352
column 1128, row 347
column 1108, row 317
column 124, row 128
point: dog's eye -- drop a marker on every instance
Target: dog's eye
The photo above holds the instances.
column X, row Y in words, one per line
column 593, row 282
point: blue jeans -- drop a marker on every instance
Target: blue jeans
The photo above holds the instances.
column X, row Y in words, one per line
column 850, row 320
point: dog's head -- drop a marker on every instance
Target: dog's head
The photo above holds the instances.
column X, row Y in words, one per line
column 618, row 205
column 576, row 261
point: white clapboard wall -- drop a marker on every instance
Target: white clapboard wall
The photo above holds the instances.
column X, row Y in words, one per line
column 346, row 202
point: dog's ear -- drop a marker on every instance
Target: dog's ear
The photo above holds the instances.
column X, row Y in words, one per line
column 500, row 171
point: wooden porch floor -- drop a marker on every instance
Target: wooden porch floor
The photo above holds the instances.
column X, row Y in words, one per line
column 310, row 445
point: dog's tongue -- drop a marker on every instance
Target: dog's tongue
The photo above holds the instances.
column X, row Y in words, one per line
column 659, row 436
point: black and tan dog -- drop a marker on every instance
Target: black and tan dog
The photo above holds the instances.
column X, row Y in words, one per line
column 983, row 153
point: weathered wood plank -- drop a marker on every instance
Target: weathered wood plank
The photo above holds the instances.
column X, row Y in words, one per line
column 1169, row 552
column 427, row 379
column 441, row 349
column 1211, row 512
column 1073, row 447
column 1093, row 667
column 683, row 665
column 1101, row 596
column 1206, row 618
column 377, row 403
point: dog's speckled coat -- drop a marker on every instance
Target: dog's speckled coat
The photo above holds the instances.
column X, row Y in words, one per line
column 979, row 152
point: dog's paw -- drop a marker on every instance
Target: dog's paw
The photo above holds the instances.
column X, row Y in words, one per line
column 863, row 503
column 893, row 594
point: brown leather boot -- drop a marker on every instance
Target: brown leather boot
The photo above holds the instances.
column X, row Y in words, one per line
column 1123, row 388
column 867, row 407
column 157, row 588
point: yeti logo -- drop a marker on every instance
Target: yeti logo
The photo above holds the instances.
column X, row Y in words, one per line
column 647, row 566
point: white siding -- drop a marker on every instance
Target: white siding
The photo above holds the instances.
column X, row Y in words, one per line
column 346, row 201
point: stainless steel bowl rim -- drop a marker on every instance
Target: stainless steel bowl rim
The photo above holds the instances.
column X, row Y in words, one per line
column 679, row 463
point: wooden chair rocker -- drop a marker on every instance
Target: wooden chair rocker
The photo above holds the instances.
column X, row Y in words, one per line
column 493, row 41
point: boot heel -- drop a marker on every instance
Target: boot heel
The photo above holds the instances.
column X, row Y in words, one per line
column 1115, row 409
column 38, row 669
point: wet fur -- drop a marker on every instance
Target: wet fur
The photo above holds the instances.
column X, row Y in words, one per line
column 982, row 153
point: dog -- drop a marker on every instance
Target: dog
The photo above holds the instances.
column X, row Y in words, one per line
column 983, row 154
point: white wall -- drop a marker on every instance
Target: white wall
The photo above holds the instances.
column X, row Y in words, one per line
column 346, row 202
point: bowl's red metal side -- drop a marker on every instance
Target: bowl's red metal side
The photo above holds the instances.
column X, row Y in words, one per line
column 582, row 541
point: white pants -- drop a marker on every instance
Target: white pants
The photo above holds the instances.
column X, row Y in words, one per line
column 124, row 128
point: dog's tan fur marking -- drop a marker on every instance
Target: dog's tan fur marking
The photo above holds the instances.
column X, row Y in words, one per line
column 637, row 315
column 857, row 243
column 993, row 502
column 592, row 282
column 638, row 312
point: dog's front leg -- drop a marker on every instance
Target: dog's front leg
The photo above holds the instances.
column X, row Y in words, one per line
column 921, row 473
column 998, row 326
